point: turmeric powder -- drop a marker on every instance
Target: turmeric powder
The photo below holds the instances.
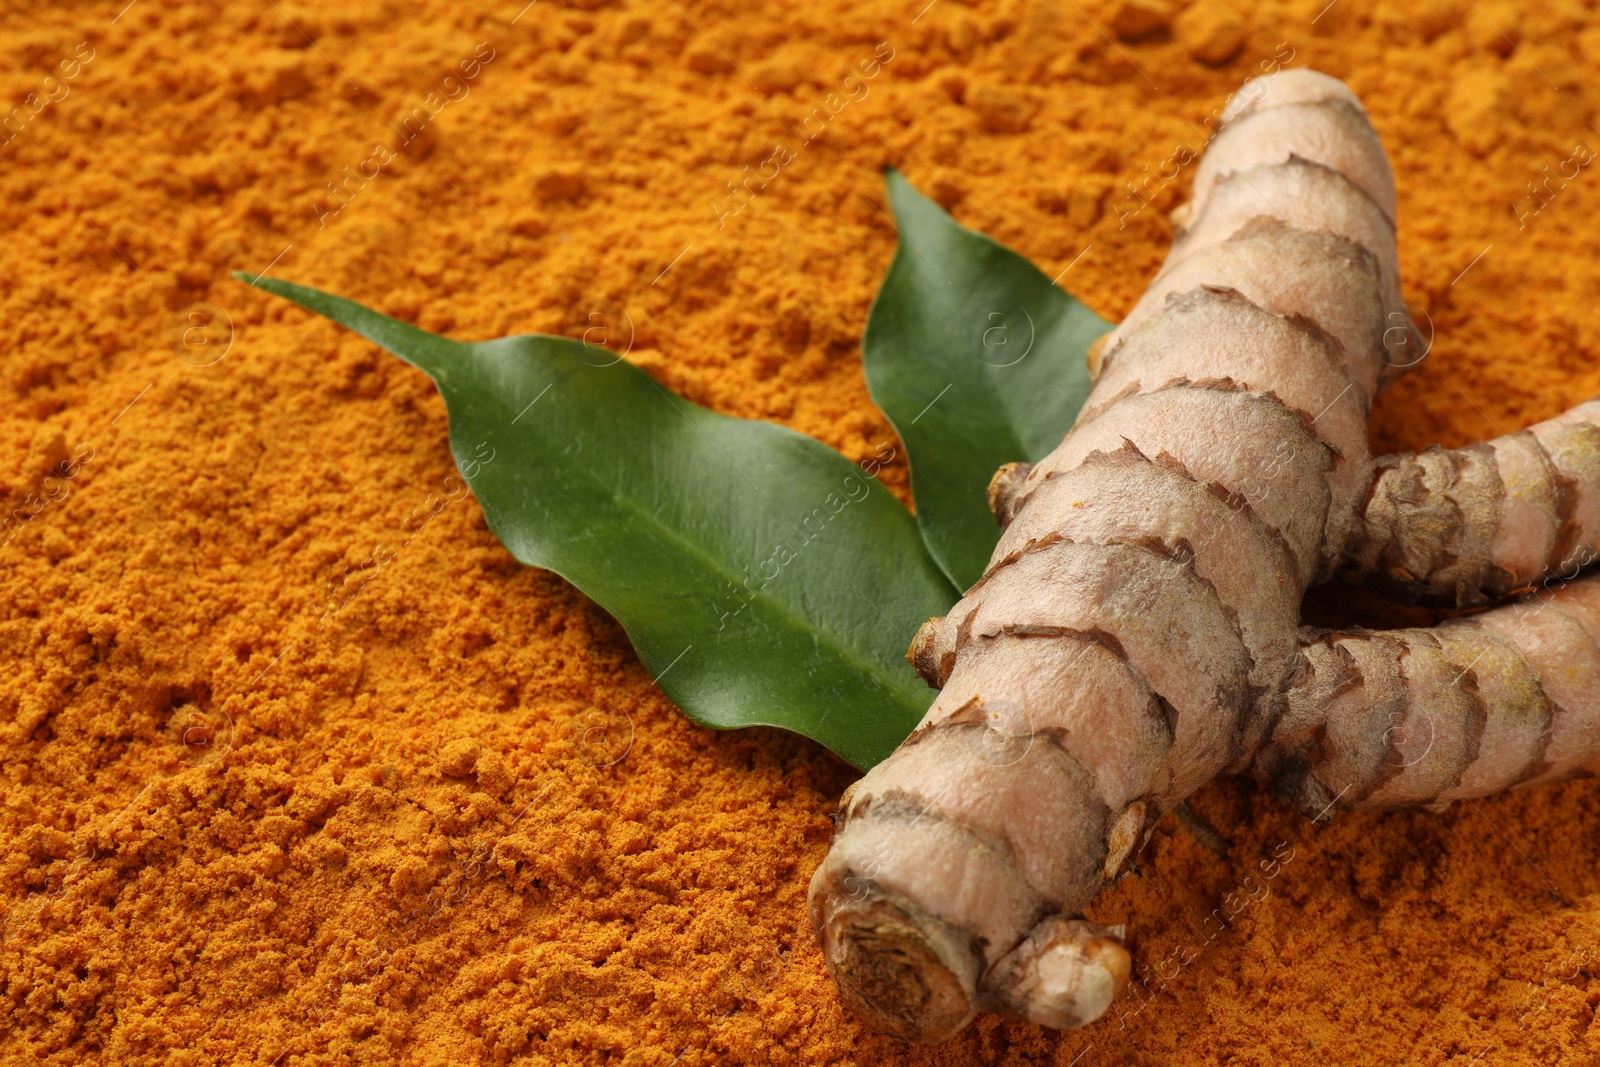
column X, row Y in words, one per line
column 319, row 882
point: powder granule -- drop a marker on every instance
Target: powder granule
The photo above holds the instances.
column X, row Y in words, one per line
column 302, row 768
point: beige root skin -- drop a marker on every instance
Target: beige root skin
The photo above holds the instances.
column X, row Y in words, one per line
column 1064, row 974
column 1137, row 630
column 1468, row 526
column 1479, row 704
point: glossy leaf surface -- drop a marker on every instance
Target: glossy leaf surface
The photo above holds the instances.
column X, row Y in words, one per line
column 978, row 361
column 763, row 578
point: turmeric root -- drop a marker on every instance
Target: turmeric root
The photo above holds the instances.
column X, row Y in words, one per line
column 1469, row 525
column 1470, row 707
column 1137, row 630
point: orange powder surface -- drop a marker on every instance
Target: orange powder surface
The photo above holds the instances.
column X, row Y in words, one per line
column 300, row 767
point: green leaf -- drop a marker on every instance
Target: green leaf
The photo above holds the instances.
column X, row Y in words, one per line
column 763, row 578
column 978, row 361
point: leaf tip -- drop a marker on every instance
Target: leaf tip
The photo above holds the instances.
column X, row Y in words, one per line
column 255, row 281
column 902, row 194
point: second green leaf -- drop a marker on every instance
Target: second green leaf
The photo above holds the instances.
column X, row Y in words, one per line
column 978, row 361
